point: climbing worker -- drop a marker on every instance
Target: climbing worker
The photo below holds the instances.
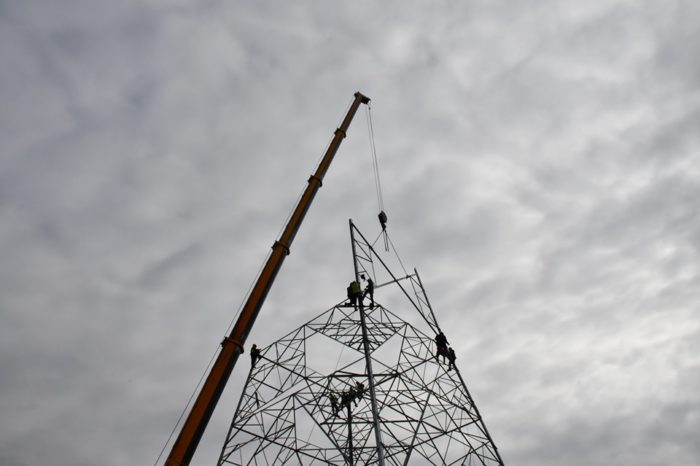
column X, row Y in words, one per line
column 353, row 394
column 354, row 292
column 345, row 400
column 359, row 390
column 441, row 342
column 382, row 220
column 451, row 357
column 369, row 290
column 254, row 355
column 334, row 403
column 441, row 351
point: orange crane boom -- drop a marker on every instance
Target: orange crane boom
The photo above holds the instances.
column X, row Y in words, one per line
column 232, row 347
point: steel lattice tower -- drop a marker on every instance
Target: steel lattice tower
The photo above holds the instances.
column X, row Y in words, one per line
column 420, row 412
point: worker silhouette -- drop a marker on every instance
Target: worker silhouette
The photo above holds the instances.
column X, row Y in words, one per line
column 441, row 342
column 346, row 400
column 359, row 390
column 354, row 292
column 451, row 358
column 254, row 355
column 352, row 393
column 334, row 403
column 369, row 290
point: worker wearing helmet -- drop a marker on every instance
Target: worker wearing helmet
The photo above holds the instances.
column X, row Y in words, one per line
column 441, row 343
column 354, row 292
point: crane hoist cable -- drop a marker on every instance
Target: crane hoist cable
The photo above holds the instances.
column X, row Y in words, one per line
column 373, row 154
column 377, row 180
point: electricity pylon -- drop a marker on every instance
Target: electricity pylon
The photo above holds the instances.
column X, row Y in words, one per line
column 360, row 385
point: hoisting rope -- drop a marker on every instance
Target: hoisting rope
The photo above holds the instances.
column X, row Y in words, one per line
column 377, row 180
column 373, row 153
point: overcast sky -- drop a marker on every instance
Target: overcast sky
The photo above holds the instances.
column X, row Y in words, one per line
column 540, row 163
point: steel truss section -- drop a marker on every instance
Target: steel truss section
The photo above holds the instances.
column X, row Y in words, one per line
column 425, row 412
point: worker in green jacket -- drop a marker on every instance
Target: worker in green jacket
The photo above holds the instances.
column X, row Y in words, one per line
column 354, row 292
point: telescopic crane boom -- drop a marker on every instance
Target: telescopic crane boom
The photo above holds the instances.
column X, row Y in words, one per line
column 232, row 346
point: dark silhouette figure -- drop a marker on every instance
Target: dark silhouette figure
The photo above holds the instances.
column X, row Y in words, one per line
column 254, row 355
column 359, row 390
column 441, row 342
column 354, row 292
column 346, row 400
column 451, row 357
column 334, row 403
column 353, row 394
column 369, row 290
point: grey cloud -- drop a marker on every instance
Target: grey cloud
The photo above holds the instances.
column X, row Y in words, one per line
column 539, row 167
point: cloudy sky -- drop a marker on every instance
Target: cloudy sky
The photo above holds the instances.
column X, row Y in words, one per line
column 540, row 163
